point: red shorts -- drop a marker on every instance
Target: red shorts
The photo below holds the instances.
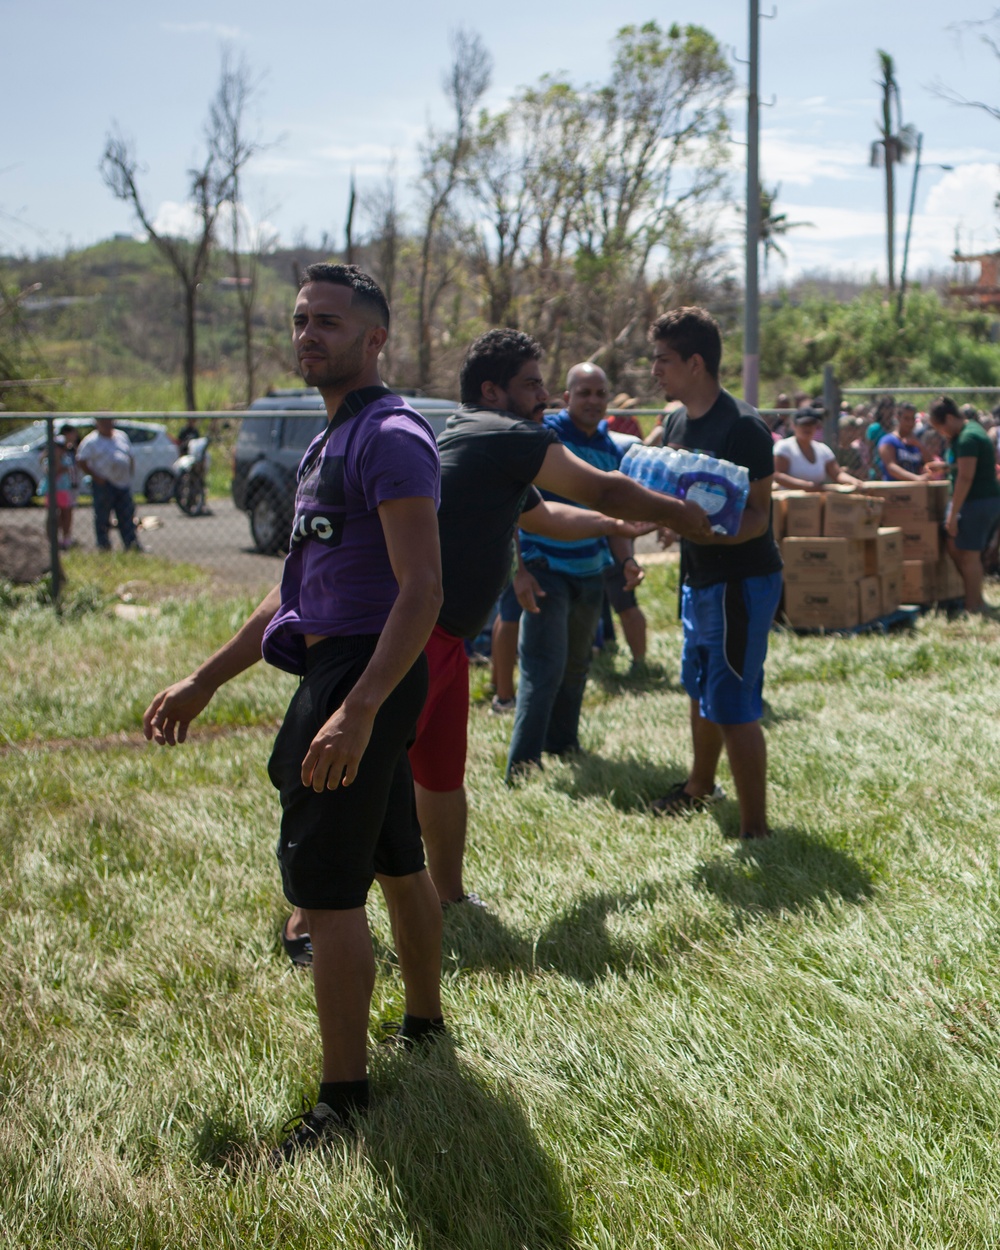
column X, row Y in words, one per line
column 437, row 757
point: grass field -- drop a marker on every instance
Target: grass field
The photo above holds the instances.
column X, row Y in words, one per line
column 660, row 1037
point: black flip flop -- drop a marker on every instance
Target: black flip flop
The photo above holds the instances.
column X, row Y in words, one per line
column 299, row 950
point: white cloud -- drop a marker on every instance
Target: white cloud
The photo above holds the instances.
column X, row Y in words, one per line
column 966, row 198
column 795, row 163
column 181, row 221
column 217, row 29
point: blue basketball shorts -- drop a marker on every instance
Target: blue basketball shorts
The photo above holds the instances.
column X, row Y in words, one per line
column 726, row 628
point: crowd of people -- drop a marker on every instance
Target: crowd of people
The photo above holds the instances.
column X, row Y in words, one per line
column 401, row 547
column 888, row 441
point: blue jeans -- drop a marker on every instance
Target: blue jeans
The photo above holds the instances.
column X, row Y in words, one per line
column 554, row 650
column 117, row 499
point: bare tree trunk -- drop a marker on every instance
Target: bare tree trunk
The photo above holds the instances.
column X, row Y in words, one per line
column 349, row 255
column 190, row 347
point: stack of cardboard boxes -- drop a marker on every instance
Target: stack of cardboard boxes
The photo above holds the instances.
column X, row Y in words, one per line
column 918, row 509
column 843, row 568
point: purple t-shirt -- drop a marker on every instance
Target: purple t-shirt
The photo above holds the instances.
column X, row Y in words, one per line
column 337, row 580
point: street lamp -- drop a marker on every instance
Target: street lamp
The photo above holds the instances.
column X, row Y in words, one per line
column 909, row 225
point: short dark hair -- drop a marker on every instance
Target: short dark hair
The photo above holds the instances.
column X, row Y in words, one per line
column 495, row 356
column 366, row 289
column 941, row 409
column 690, row 331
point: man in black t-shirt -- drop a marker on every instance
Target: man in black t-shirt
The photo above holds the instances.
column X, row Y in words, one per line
column 492, row 452
column 730, row 585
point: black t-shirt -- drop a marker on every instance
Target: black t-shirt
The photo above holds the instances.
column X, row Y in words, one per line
column 730, row 430
column 488, row 462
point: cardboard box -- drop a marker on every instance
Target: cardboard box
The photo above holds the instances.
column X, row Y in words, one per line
column 919, row 581
column 947, row 579
column 921, row 540
column 869, row 599
column 822, row 607
column 938, row 494
column 803, row 514
column 884, row 552
column 851, row 516
column 890, row 588
column 824, row 562
column 910, row 501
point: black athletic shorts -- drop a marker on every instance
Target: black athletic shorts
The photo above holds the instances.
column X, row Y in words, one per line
column 332, row 844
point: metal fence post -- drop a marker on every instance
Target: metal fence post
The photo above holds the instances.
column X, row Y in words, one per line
column 831, row 402
column 51, row 477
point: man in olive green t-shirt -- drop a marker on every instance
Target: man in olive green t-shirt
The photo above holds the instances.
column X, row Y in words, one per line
column 974, row 510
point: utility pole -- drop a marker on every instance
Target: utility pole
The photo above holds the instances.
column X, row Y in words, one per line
column 909, row 228
column 890, row 184
column 751, row 310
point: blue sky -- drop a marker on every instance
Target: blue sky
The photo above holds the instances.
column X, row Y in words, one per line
column 354, row 86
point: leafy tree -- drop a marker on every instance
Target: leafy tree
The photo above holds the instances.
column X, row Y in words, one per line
column 655, row 154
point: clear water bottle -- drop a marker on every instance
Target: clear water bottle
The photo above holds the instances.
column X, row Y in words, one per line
column 630, row 459
column 658, row 473
column 670, row 474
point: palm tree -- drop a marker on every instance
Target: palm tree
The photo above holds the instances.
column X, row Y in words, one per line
column 774, row 225
column 893, row 146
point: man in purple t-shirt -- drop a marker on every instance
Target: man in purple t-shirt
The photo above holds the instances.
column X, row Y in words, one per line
column 359, row 595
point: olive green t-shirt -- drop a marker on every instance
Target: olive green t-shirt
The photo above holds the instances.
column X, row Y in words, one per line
column 974, row 442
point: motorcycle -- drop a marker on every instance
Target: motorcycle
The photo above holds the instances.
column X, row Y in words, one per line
column 190, row 472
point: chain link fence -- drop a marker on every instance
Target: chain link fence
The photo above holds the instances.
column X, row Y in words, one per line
column 184, row 504
column 228, row 512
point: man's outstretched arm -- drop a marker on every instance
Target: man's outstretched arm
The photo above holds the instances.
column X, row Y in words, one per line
column 569, row 523
column 166, row 719
column 564, row 474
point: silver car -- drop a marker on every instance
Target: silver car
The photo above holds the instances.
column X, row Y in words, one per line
column 21, row 470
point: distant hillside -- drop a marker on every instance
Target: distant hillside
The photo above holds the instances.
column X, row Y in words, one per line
column 108, row 320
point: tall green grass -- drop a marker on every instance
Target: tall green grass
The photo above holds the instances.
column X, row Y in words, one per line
column 660, row 1036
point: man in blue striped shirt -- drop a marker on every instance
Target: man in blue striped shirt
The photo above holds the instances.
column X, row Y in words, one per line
column 556, row 639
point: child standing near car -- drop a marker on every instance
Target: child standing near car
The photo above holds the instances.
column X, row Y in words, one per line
column 65, row 480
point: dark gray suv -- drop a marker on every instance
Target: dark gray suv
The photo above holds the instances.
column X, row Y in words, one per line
column 269, row 447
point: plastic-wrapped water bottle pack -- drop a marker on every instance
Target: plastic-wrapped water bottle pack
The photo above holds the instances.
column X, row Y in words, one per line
column 718, row 486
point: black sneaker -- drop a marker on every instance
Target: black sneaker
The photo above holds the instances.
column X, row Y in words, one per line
column 393, row 1037
column 307, row 1131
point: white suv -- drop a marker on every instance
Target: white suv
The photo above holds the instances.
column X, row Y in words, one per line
column 21, row 471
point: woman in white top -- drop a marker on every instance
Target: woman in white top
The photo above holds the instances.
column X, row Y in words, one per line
column 801, row 463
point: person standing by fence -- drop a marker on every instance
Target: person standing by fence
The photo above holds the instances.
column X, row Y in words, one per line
column 106, row 454
column 974, row 510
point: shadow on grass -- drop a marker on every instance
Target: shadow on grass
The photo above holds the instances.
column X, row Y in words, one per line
column 770, row 717
column 578, row 944
column 651, row 677
column 457, row 1157
column 629, row 785
column 460, row 1159
column 575, row 944
column 790, row 871
column 220, row 1143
